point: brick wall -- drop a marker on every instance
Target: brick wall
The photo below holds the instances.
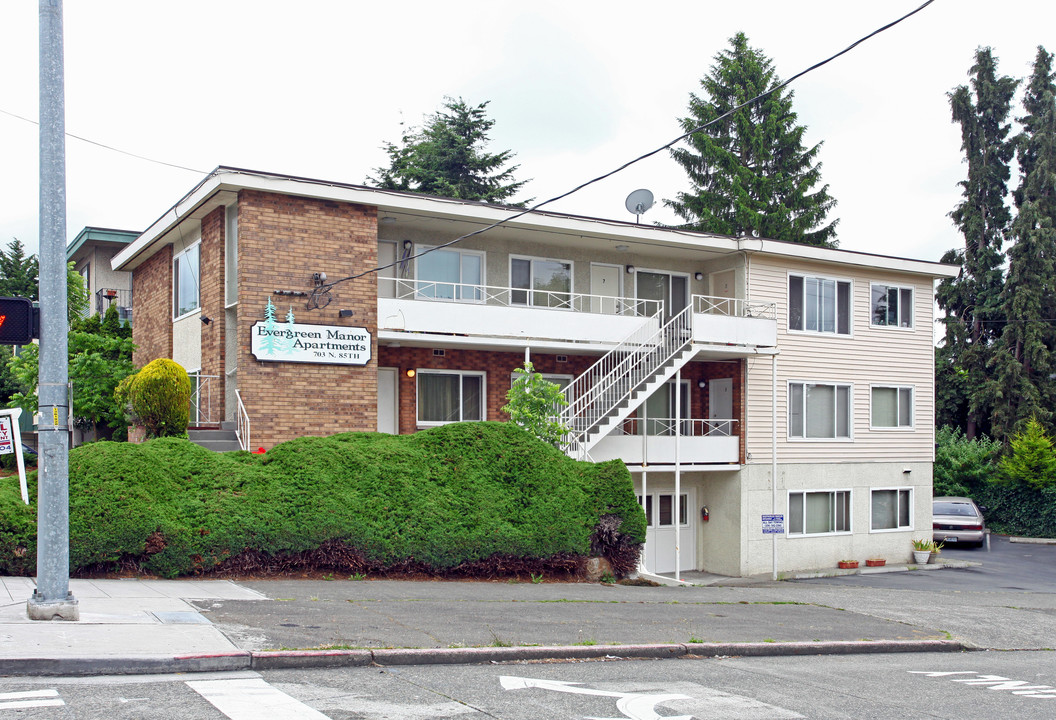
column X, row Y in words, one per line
column 152, row 309
column 283, row 240
column 211, row 294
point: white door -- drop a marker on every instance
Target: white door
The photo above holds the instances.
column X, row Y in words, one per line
column 659, row 551
column 720, row 405
column 388, row 401
column 605, row 281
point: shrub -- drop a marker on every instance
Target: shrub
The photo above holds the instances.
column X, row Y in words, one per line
column 534, row 403
column 962, row 466
column 160, row 394
column 1031, row 460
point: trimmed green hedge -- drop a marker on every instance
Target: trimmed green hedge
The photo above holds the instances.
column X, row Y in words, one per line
column 450, row 495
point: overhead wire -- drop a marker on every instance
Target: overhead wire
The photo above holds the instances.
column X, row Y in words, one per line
column 327, row 287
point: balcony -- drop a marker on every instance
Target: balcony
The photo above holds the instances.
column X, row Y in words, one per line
column 514, row 316
column 702, row 442
column 105, row 297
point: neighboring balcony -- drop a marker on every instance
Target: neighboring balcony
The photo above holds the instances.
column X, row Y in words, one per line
column 105, row 297
column 519, row 315
column 701, row 442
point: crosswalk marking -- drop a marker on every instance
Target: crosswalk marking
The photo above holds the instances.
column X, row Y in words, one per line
column 30, row 699
column 251, row 699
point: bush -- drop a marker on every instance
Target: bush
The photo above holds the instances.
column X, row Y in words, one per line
column 1031, row 460
column 160, row 394
column 962, row 466
column 445, row 500
column 534, row 403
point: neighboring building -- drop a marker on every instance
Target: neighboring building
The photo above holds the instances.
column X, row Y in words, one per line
column 836, row 345
column 92, row 252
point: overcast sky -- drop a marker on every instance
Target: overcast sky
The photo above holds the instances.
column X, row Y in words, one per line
column 314, row 88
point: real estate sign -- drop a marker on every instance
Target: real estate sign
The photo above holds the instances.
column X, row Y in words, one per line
column 297, row 342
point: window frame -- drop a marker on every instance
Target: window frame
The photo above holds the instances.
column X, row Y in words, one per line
column 900, row 288
column 834, row 493
column 176, row 314
column 803, row 303
column 460, row 286
column 850, row 411
column 461, row 404
column 897, row 427
column 898, row 499
column 530, row 290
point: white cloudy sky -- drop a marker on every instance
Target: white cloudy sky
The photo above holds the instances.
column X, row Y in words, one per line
column 314, row 88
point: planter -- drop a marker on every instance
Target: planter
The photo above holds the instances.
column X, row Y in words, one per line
column 921, row 557
column 875, row 563
column 934, row 559
column 847, row 564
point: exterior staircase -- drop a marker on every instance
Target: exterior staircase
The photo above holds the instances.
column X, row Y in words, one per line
column 222, row 439
column 617, row 384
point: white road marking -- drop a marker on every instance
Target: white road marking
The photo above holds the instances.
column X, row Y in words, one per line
column 995, row 682
column 30, row 699
column 253, row 698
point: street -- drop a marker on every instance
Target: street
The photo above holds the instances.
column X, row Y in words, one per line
column 962, row 686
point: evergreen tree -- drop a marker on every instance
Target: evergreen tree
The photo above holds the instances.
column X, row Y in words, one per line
column 447, row 157
column 973, row 300
column 1021, row 368
column 18, row 272
column 750, row 173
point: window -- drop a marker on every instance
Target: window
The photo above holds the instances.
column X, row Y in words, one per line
column 892, row 407
column 819, row 513
column 546, row 283
column 819, row 305
column 185, row 274
column 671, row 289
column 892, row 306
column 450, row 396
column 666, row 505
column 450, row 275
column 231, row 255
column 892, row 509
column 819, row 411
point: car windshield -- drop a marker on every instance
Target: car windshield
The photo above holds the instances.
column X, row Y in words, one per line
column 954, row 508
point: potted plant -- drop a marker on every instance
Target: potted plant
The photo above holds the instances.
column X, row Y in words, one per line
column 922, row 551
column 875, row 562
column 847, row 564
column 935, row 548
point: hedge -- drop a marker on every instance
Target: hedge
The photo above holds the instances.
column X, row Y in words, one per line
column 434, row 500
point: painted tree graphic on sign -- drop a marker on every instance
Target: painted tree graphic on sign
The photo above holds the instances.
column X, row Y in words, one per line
column 270, row 344
column 289, row 340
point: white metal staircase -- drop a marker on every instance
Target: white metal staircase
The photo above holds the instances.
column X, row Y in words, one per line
column 617, row 384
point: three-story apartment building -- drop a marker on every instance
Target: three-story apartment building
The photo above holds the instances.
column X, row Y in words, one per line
column 736, row 378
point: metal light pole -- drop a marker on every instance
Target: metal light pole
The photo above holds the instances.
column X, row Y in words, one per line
column 52, row 599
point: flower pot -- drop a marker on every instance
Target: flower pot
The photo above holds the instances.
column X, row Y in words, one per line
column 921, row 557
column 847, row 564
column 875, row 563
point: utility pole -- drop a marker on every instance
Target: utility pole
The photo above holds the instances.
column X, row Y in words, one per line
column 52, row 599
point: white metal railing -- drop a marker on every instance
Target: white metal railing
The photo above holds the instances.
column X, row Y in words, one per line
column 403, row 289
column 201, row 410
column 242, row 423
column 620, row 374
column 687, row 427
column 734, row 307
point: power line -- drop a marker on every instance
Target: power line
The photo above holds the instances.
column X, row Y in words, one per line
column 109, row 147
column 325, row 289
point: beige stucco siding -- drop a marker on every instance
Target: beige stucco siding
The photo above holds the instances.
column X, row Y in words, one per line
column 869, row 356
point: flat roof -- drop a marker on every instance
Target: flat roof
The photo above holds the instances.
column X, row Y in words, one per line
column 100, row 235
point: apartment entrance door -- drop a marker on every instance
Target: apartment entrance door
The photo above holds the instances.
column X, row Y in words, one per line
column 671, row 289
column 605, row 281
column 388, row 405
column 659, row 551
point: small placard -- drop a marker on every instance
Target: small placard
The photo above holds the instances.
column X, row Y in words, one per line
column 773, row 524
column 7, row 437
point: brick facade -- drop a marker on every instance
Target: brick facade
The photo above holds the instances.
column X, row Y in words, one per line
column 152, row 326
column 211, row 294
column 282, row 241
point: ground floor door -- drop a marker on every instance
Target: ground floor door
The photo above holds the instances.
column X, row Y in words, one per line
column 388, row 402
column 660, row 537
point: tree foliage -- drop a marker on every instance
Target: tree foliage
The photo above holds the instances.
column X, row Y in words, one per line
column 751, row 174
column 447, row 156
column 1031, row 460
column 534, row 403
column 18, row 272
column 160, row 394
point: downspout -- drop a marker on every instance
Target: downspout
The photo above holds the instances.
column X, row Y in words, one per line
column 678, row 473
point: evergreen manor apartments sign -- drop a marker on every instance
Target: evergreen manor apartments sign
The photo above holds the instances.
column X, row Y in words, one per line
column 297, row 342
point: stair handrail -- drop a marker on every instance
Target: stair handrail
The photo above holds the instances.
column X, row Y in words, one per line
column 242, row 423
column 615, row 377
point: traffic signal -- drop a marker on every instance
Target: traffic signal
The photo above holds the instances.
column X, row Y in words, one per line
column 19, row 321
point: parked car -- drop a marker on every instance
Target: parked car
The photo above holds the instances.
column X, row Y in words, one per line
column 958, row 521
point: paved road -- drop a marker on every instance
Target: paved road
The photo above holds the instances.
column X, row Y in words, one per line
column 962, row 686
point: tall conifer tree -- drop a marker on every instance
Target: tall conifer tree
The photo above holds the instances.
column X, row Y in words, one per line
column 973, row 300
column 751, row 174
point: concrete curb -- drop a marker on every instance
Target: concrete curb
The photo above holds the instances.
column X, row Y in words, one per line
column 301, row 659
column 1033, row 541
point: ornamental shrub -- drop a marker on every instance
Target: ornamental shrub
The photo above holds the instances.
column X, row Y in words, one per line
column 962, row 466
column 535, row 403
column 160, row 394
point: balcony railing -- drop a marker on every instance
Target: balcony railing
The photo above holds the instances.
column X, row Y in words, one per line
column 202, row 411
column 700, row 442
column 687, row 427
column 105, row 297
column 733, row 307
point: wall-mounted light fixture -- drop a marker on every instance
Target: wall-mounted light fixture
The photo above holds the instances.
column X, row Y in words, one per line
column 411, row 373
column 698, row 276
column 206, row 320
column 319, row 278
column 701, row 384
column 407, row 244
column 630, row 269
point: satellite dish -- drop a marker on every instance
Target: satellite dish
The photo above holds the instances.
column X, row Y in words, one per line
column 638, row 202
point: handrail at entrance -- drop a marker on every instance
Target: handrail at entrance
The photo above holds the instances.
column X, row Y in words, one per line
column 242, row 423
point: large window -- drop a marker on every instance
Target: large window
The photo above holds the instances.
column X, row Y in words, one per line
column 818, row 304
column 666, row 506
column 536, row 281
column 185, row 281
column 819, row 513
column 892, row 306
column 819, row 411
column 892, row 509
column 450, row 275
column 892, row 407
column 449, row 396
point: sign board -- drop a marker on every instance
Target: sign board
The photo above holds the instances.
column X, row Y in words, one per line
column 7, row 436
column 773, row 524
column 297, row 342
column 11, row 442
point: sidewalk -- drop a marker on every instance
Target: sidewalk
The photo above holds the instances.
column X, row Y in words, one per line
column 146, row 626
